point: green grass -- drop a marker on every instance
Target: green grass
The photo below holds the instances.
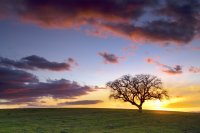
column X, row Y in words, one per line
column 97, row 121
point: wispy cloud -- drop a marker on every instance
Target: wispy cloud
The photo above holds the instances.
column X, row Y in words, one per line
column 188, row 97
column 35, row 62
column 183, row 104
column 19, row 101
column 195, row 48
column 177, row 69
column 130, row 49
column 123, row 18
column 82, row 102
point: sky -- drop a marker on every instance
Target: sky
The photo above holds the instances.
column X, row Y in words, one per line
column 62, row 53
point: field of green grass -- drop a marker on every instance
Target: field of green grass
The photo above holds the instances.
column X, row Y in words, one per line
column 97, row 121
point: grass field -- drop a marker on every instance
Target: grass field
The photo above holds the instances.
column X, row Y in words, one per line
column 97, row 121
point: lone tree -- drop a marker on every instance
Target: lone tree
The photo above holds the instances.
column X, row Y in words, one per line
column 136, row 90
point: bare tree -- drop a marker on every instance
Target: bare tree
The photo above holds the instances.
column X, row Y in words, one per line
column 137, row 89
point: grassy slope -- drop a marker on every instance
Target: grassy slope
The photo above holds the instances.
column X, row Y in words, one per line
column 97, row 121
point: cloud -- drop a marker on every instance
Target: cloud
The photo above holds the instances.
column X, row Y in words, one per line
column 164, row 23
column 109, row 58
column 17, row 79
column 81, row 102
column 72, row 61
column 150, row 60
column 18, row 101
column 17, row 86
column 194, row 48
column 185, row 96
column 73, row 12
column 177, row 69
column 35, row 62
column 183, row 104
column 173, row 70
column 155, row 31
column 130, row 50
column 193, row 69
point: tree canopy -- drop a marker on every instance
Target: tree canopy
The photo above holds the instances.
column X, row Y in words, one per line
column 137, row 89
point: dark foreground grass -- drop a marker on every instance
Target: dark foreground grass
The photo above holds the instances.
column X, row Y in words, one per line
column 97, row 121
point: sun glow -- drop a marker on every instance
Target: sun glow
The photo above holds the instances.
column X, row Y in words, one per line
column 158, row 105
column 155, row 105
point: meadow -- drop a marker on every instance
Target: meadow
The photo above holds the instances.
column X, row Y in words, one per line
column 82, row 120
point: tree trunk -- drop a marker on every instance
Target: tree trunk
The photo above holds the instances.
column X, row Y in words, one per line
column 140, row 109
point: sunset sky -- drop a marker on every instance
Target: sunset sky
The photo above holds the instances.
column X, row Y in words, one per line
column 61, row 53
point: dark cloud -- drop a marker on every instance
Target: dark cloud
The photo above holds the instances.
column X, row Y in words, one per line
column 185, row 14
column 177, row 69
column 193, row 69
column 57, row 89
column 34, row 62
column 82, row 102
column 155, row 31
column 17, row 86
column 73, row 12
column 167, row 31
column 10, row 78
column 146, row 20
column 109, row 58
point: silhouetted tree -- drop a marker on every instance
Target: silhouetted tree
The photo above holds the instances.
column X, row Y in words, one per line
column 137, row 89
